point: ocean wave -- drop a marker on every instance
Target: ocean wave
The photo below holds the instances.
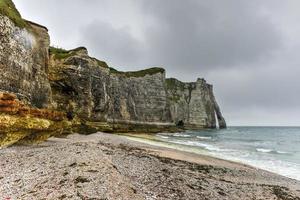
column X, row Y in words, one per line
column 199, row 144
column 181, row 135
column 163, row 136
column 282, row 152
column 204, row 138
column 262, row 150
column 288, row 169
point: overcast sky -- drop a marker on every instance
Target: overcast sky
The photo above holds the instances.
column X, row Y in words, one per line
column 249, row 50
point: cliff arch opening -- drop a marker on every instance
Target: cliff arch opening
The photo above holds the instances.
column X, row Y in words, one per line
column 180, row 124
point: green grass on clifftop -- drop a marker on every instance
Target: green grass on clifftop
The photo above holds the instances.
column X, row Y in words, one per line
column 8, row 8
column 174, row 84
column 61, row 53
column 101, row 63
column 140, row 73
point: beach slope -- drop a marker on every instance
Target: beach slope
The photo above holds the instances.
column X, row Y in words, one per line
column 104, row 166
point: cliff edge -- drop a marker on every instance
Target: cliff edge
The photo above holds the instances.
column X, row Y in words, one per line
column 87, row 94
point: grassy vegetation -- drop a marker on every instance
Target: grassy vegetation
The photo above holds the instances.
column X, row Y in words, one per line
column 7, row 8
column 114, row 71
column 174, row 84
column 60, row 53
column 101, row 63
column 140, row 73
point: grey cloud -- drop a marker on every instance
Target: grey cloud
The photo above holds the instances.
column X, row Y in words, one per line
column 199, row 35
column 269, row 96
column 196, row 35
column 109, row 43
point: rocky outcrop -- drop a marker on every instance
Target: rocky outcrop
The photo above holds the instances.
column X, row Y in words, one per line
column 88, row 88
column 24, row 83
column 125, row 101
column 24, row 61
column 36, row 80
column 22, row 123
column 193, row 105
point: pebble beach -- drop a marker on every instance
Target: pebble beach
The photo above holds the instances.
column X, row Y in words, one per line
column 105, row 166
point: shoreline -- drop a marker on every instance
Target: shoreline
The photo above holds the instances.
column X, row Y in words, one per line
column 193, row 150
column 107, row 166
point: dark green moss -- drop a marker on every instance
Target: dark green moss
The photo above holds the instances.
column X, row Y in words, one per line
column 101, row 63
column 8, row 8
column 174, row 84
column 174, row 98
column 60, row 53
column 140, row 73
column 78, row 49
column 114, row 71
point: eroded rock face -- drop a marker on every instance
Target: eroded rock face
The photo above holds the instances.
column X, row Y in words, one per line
column 88, row 88
column 24, row 61
column 193, row 105
column 22, row 123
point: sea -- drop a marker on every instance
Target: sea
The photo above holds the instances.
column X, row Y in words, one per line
column 275, row 149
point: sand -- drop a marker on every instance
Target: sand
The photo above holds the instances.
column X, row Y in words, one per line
column 106, row 166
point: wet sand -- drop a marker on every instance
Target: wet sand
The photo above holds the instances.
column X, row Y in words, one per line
column 105, row 166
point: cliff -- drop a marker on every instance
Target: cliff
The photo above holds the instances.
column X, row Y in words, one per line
column 193, row 105
column 89, row 94
column 86, row 87
column 20, row 123
column 24, row 59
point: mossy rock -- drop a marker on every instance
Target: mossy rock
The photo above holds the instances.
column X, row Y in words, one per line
column 60, row 53
column 7, row 139
column 16, row 129
column 56, row 129
column 101, row 63
column 11, row 123
column 8, row 8
column 174, row 84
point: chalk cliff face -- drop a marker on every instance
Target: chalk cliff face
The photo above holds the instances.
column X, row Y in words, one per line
column 125, row 101
column 88, row 88
column 193, row 105
column 24, row 61
column 86, row 92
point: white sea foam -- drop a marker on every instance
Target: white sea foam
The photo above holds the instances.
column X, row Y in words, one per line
column 282, row 152
column 271, row 149
column 162, row 136
column 199, row 144
column 204, row 138
column 264, row 150
column 181, row 135
column 288, row 169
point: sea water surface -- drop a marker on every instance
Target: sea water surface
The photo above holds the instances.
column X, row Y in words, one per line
column 276, row 149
